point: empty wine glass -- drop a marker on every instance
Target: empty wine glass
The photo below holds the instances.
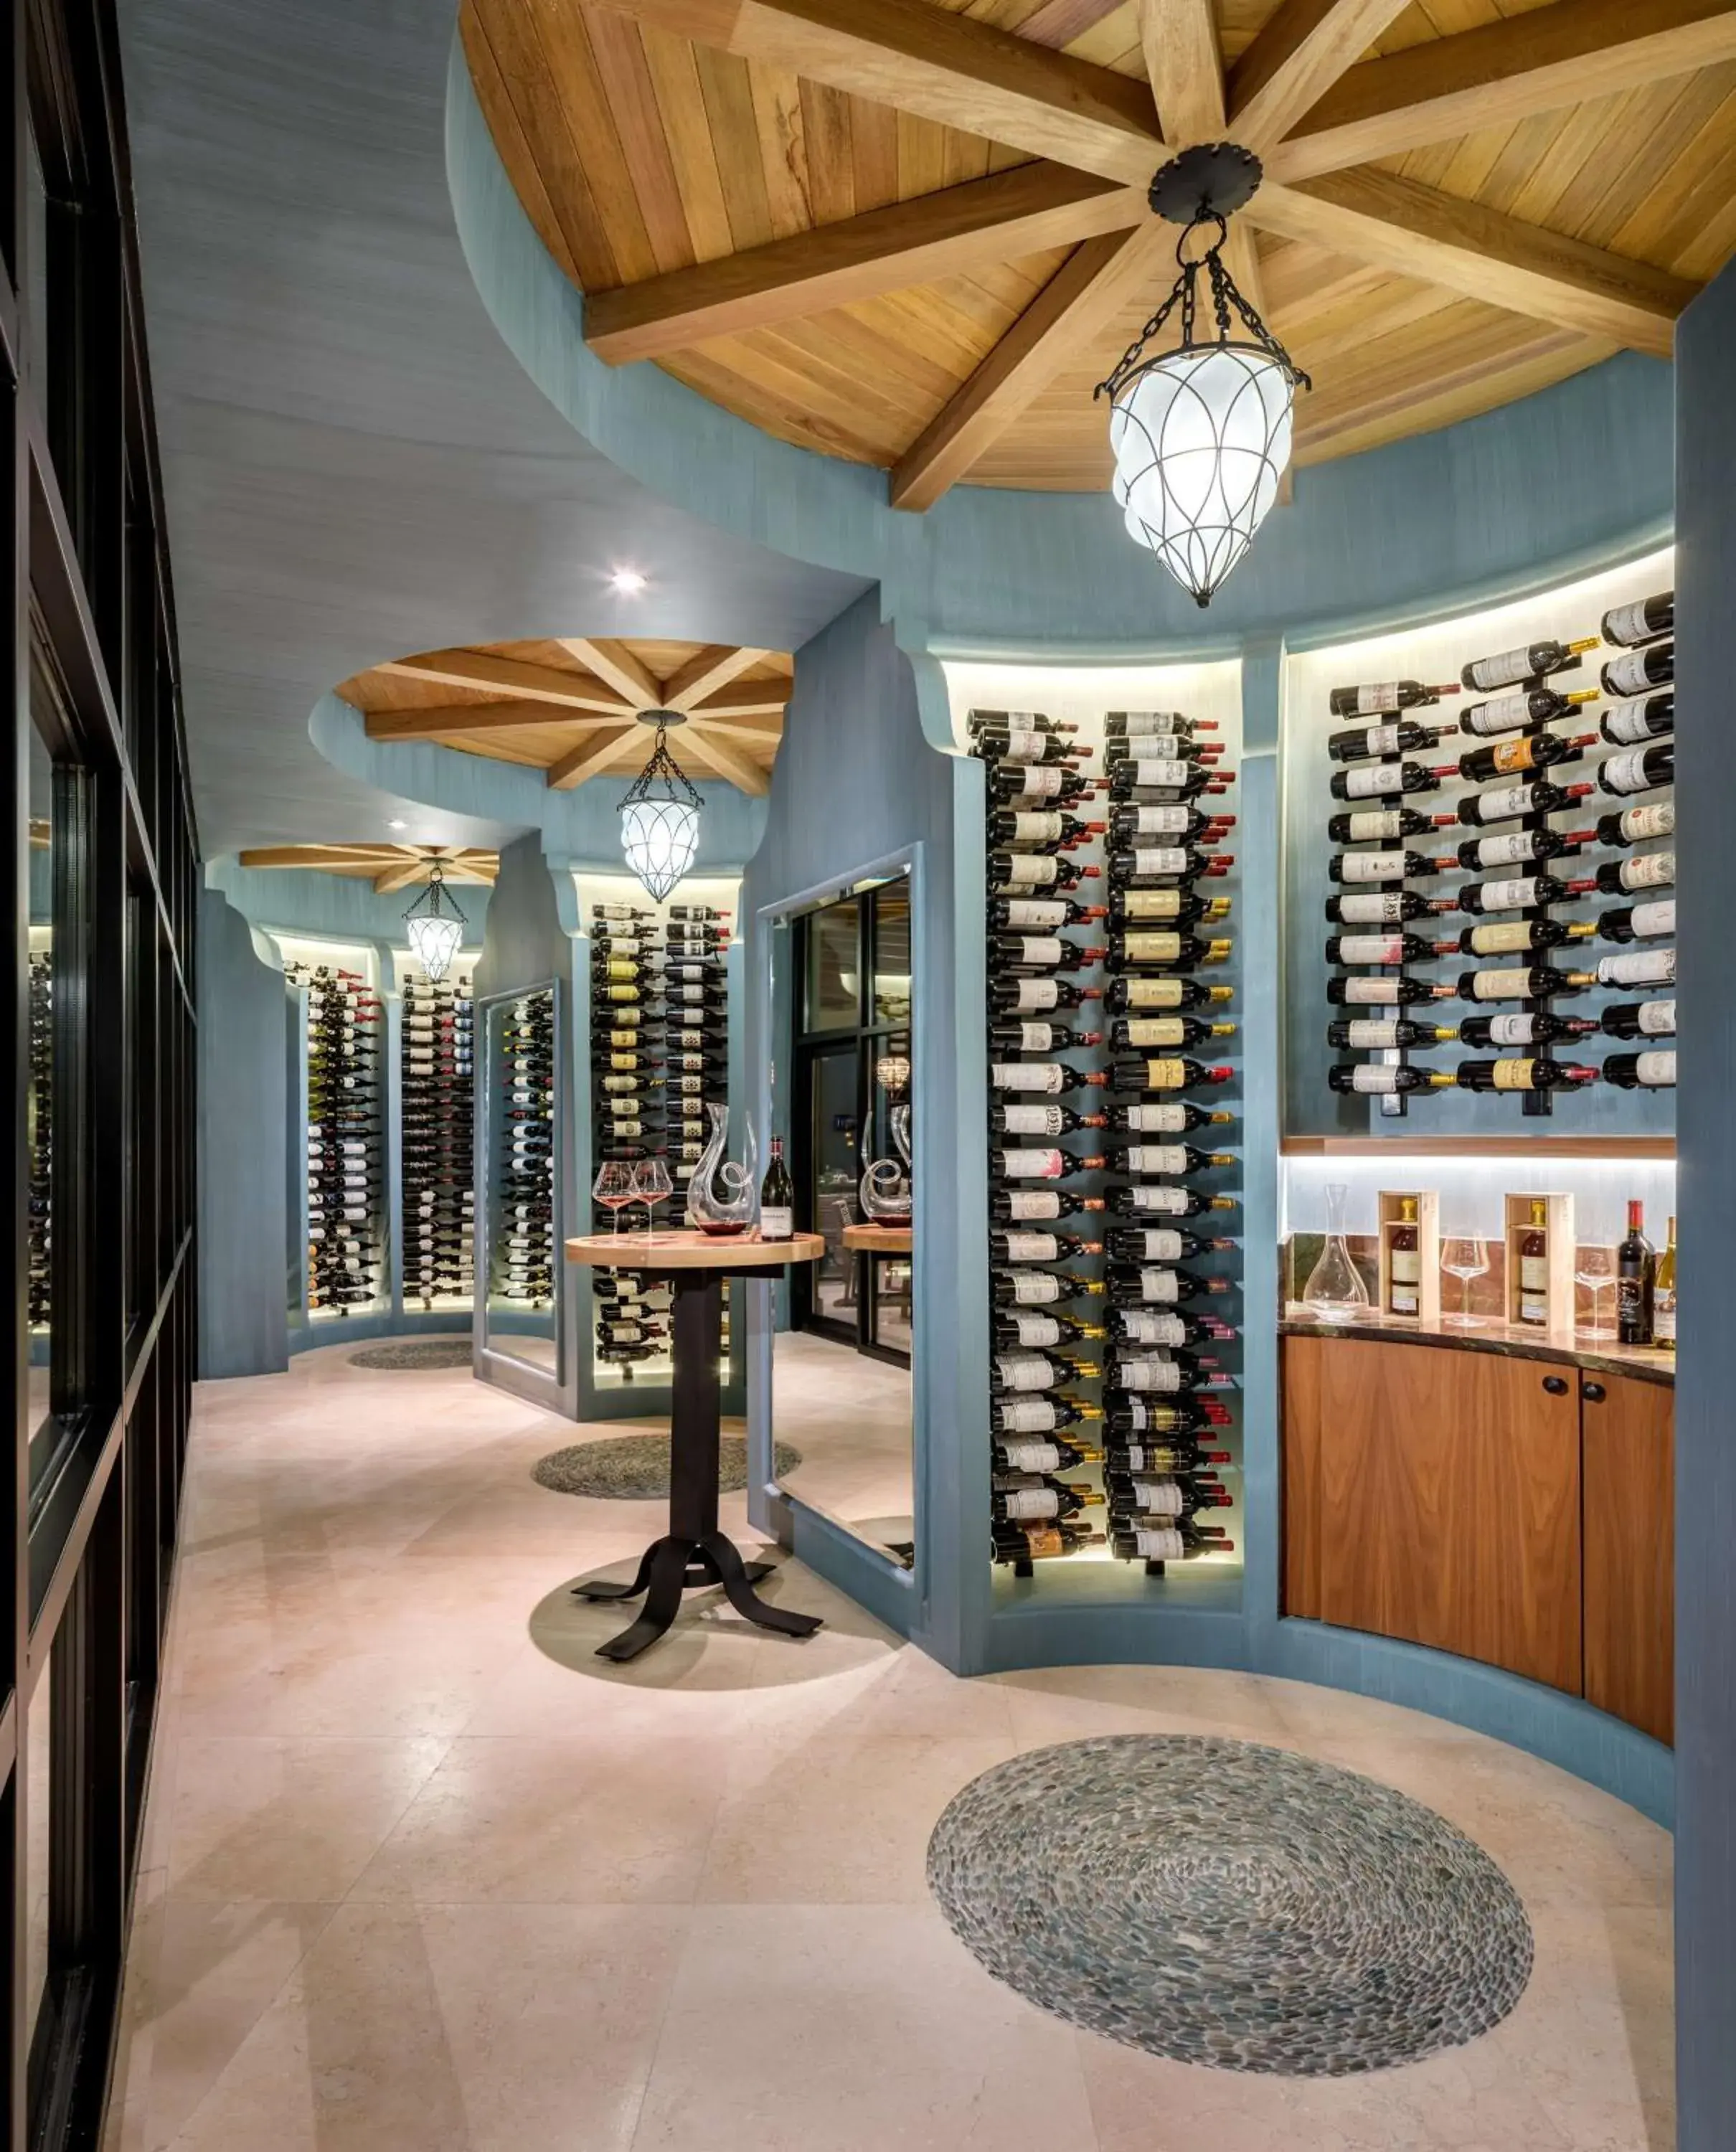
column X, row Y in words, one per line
column 1464, row 1260
column 652, row 1185
column 1594, row 1269
column 613, row 1187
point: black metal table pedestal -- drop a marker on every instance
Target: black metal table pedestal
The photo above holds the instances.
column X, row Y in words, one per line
column 693, row 1552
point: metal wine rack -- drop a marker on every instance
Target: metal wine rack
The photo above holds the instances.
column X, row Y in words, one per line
column 437, row 1074
column 346, row 1175
column 522, row 1251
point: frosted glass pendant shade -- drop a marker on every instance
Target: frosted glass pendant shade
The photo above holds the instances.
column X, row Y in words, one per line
column 659, row 838
column 1202, row 438
column 434, row 936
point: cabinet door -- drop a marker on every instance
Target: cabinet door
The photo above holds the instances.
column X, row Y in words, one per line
column 1445, row 1493
column 1630, row 1467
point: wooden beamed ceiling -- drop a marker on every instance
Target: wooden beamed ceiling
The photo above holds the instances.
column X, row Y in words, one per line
column 913, row 232
column 569, row 706
column 389, row 867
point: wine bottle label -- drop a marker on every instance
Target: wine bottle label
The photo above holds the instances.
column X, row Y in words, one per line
column 1029, row 1075
column 1141, row 1326
column 1519, row 893
column 1158, row 1543
column 1039, row 780
column 777, row 1221
column 1037, row 1332
column 1033, row 1247
column 1511, row 851
column 1381, row 908
column 1031, row 1120
column 1153, row 994
column 1503, row 715
column 1023, row 745
column 1159, row 1498
column 1626, row 624
column 1035, row 1164
column 1371, row 1034
column 1371, row 948
column 1639, row 823
column 1156, row 1158
column 1372, row 992
column 1025, row 1204
column 1381, row 695
column 1171, row 821
column 1657, row 1019
column 1156, row 1031
column 1033, row 828
column 1648, row 870
column 1149, row 903
column 1504, row 802
column 1031, row 870
column 1155, row 1120
column 1521, row 1030
column 1031, row 1502
column 1034, row 1038
column 1505, row 665
column 1629, row 674
column 1159, row 1201
column 1161, row 859
column 1626, row 723
column 1149, row 948
column 1373, row 867
column 1515, row 755
column 1036, row 994
column 1655, row 1070
column 1373, row 780
column 1652, row 920
column 1148, row 771
column 1626, row 772
column 1375, row 1078
column 1663, row 1316
column 1163, row 1376
column 1036, row 1289
column 1029, row 1456
column 1023, row 1371
column 1041, row 953
column 1638, row 967
column 1372, row 824
column 1514, row 1075
column 1159, row 1286
column 1501, row 937
column 1165, row 1075
column 1045, row 914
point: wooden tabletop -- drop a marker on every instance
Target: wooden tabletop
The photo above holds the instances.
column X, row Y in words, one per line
column 878, row 1240
column 692, row 1251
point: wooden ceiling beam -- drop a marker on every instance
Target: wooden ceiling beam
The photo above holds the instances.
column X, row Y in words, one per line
column 949, row 68
column 1416, row 230
column 745, row 704
column 998, row 219
column 586, row 759
column 724, row 762
column 1088, row 291
column 449, row 719
column 400, row 877
column 707, row 671
column 1186, row 68
column 331, row 858
column 506, row 676
column 1499, row 73
column 618, row 666
column 1297, row 56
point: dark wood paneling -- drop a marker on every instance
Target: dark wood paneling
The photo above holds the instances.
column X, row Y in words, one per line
column 1630, row 1558
column 1299, row 1377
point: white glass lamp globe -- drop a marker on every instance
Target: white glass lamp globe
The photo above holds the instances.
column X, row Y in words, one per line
column 434, row 936
column 659, row 838
column 1202, row 438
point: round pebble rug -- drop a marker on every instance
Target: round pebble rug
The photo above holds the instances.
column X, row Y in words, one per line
column 1218, row 1902
column 635, row 1468
column 404, row 1354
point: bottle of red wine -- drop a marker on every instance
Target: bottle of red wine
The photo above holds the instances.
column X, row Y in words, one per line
column 1371, row 700
column 1635, row 826
column 1157, row 1244
column 1374, row 1034
column 1016, row 997
column 1028, row 783
column 1133, row 724
column 1384, row 990
column 1041, row 915
column 1036, row 721
column 1038, row 1330
column 1167, row 747
column 1175, row 824
column 1035, row 1163
column 1036, row 825
column 1507, row 802
column 1031, row 1244
column 1643, row 623
column 1636, row 670
column 1165, row 1117
column 1171, row 1160
column 1016, row 1372
column 1520, row 893
column 1385, row 780
column 1383, row 866
column 1388, row 825
column 1144, row 773
column 1519, row 848
column 1040, row 1037
column 1027, row 1288
column 1040, row 953
column 1016, row 872
column 1639, row 768
column 1511, row 937
column 1366, row 740
column 1045, row 1119
column 1635, row 1268
column 1650, row 1072
column 1528, row 983
column 1163, row 1198
column 1017, row 1453
column 1052, row 1079
column 1040, row 1206
column 1387, row 949
column 777, row 1198
column 1530, row 751
column 1158, row 863
column 1145, row 1285
column 1024, row 743
column 1523, row 1075
column 1385, row 1079
column 1521, row 713
column 1633, row 725
column 1166, row 1073
column 1639, row 922
column 1152, row 1326
column 1377, row 907
column 1638, row 967
column 1640, row 1019
column 1506, row 668
column 1136, row 990
column 1524, row 1028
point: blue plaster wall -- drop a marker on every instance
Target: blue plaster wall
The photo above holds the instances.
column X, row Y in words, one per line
column 333, row 907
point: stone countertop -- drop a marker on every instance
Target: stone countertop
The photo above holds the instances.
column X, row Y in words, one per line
column 1596, row 1356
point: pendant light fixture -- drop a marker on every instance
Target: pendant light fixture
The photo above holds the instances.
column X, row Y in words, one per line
column 434, row 924
column 1201, row 432
column 660, row 814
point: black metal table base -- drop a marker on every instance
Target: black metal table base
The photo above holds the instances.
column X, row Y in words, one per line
column 694, row 1553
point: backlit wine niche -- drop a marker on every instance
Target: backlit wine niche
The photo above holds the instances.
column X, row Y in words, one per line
column 1553, row 770
column 346, row 1169
column 1112, row 1083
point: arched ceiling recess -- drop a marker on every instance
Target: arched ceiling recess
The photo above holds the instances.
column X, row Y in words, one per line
column 911, row 233
column 389, row 867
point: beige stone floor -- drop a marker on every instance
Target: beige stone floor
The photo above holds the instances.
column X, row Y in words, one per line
column 421, row 1875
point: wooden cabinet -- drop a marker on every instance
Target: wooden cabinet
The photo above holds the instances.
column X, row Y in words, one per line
column 1630, row 1561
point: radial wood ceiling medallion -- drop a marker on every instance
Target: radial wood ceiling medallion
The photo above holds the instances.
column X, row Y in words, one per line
column 389, row 867
column 914, row 233
column 570, row 707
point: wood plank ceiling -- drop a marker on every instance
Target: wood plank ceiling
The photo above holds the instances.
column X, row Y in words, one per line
column 389, row 867
column 1465, row 200
column 569, row 707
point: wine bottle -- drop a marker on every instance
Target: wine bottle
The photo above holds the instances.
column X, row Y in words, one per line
column 1028, row 1329
column 1040, row 1037
column 1521, row 712
column 1633, row 725
column 1532, row 751
column 1510, row 937
column 1137, row 1034
column 1040, row 953
column 1039, row 1288
column 1521, row 1074
column 1017, row 828
column 1038, row 915
column 1020, row 1244
column 1520, row 893
column 1663, row 1290
column 1012, row 872
column 1638, row 768
column 1134, row 991
column 1130, row 1422
column 1024, row 743
column 1382, row 907
column 1161, row 1325
column 1633, row 1020
column 1524, row 1028
column 1530, row 982
column 1369, row 740
column 1041, row 1120
column 1381, row 781
column 1052, row 1498
column 1644, row 870
column 1133, row 724
column 1148, row 1285
column 1507, row 803
column 1163, row 1371
column 1506, row 668
column 1635, row 1280
column 1384, row 1035
column 1026, row 782
column 1156, row 1199
column 1636, row 671
column 1399, row 948
column 1379, row 696
column 1516, row 848
column 1385, row 1079
column 1054, row 1078
column 1177, row 823
column 1635, row 826
column 777, row 1197
column 1136, row 1244
column 1036, row 721
column 1035, row 1542
column 1014, row 1372
column 1388, row 825
column 1404, row 1261
column 1639, row 922
column 1017, row 996
column 1166, row 1159
column 1383, row 866
column 1142, row 773
column 1651, row 1071
column 1170, row 906
column 1046, row 1163
column 1175, row 1117
column 1643, row 622
column 1160, row 863
column 1638, row 967
column 1132, row 948
column 1389, row 990
column 1170, row 1072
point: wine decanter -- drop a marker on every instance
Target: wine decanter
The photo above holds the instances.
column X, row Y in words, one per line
column 1335, row 1291
column 738, row 1207
column 885, row 1190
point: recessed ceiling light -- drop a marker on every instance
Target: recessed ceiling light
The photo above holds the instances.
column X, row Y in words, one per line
column 627, row 581
column 398, row 825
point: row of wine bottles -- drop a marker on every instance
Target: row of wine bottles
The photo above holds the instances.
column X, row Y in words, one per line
column 40, row 1288
column 345, row 1165
column 1153, row 954
column 437, row 1077
column 522, row 1253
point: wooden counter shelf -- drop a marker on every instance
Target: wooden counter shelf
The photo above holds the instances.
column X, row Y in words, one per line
column 872, row 1240
column 1597, row 1357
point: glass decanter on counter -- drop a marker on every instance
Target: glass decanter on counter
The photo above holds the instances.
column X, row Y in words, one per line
column 1335, row 1291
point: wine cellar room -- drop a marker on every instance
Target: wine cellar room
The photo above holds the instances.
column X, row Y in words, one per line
column 949, row 1361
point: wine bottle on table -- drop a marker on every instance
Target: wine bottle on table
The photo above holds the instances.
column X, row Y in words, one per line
column 1635, row 1020
column 1521, row 712
column 1650, row 1072
column 1378, row 696
column 1663, row 1296
column 1636, row 672
column 1635, row 1280
column 1534, row 660
column 777, row 1197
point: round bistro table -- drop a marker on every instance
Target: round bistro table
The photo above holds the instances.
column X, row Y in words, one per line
column 693, row 1552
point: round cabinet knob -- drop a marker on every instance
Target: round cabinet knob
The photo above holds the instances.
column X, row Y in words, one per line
column 1594, row 1390
column 1556, row 1385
